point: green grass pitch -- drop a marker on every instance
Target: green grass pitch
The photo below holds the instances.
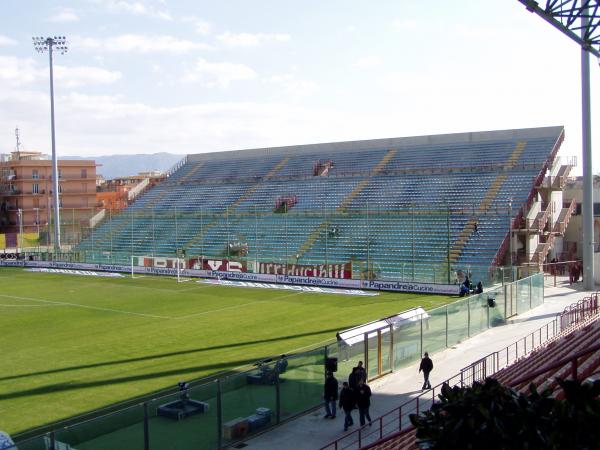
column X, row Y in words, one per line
column 73, row 344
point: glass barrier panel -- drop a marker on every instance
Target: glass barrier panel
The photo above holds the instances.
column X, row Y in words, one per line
column 37, row 443
column 386, row 348
column 349, row 356
column 523, row 304
column 537, row 290
column 458, row 321
column 407, row 343
column 301, row 383
column 478, row 313
column 187, row 419
column 497, row 306
column 249, row 402
column 120, row 430
column 434, row 330
column 373, row 362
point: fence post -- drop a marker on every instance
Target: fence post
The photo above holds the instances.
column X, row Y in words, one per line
column 366, row 352
column 530, row 302
column 400, row 418
column 219, row 415
column 277, row 399
column 446, row 326
column 421, row 333
column 359, row 437
column 392, row 357
column 146, row 428
column 506, row 300
column 52, row 441
column 468, row 317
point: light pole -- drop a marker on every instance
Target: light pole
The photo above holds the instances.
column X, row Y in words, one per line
column 42, row 44
column 20, row 242
column 37, row 225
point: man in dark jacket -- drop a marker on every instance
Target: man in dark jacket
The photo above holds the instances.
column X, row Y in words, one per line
column 353, row 379
column 330, row 395
column 363, row 401
column 426, row 366
column 361, row 372
column 347, row 403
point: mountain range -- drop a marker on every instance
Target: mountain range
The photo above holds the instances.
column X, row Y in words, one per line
column 113, row 166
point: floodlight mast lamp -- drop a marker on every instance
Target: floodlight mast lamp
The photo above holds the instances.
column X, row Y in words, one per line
column 41, row 44
column 580, row 21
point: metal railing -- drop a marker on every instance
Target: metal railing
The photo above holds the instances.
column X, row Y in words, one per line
column 580, row 311
column 394, row 422
column 572, row 359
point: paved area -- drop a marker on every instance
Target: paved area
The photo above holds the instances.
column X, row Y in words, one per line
column 312, row 431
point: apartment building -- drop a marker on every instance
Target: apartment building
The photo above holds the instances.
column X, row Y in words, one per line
column 26, row 192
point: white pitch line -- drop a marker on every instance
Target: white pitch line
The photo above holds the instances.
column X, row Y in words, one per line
column 27, row 306
column 77, row 305
column 236, row 306
column 203, row 313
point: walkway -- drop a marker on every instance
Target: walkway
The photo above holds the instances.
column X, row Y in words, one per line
column 311, row 431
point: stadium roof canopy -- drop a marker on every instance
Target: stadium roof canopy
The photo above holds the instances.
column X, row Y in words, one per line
column 578, row 19
column 400, row 143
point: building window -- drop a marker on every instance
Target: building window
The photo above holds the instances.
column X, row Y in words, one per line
column 35, row 188
column 83, row 173
column 59, row 173
column 83, row 187
column 60, row 188
column 34, row 174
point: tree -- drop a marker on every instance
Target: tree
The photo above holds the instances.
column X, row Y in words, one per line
column 491, row 416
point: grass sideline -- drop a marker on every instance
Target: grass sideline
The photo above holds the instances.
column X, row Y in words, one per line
column 73, row 344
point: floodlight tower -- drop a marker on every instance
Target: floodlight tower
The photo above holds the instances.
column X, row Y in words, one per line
column 580, row 21
column 42, row 44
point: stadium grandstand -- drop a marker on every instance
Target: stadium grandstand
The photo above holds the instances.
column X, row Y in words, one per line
column 426, row 209
column 414, row 208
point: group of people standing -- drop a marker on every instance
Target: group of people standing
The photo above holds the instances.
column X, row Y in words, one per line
column 355, row 393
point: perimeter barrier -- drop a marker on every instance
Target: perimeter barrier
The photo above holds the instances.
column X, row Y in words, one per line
column 230, row 409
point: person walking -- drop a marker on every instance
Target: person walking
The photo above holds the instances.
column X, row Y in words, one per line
column 353, row 378
column 361, row 372
column 363, row 401
column 330, row 395
column 347, row 403
column 426, row 366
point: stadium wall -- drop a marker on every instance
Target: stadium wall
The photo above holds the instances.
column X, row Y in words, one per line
column 380, row 285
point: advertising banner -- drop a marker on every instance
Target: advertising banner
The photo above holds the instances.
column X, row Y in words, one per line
column 409, row 286
column 220, row 265
column 237, row 271
column 302, row 270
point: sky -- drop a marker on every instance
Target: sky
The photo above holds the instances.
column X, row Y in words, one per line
column 193, row 76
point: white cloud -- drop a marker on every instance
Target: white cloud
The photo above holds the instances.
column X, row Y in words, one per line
column 251, row 40
column 138, row 8
column 140, row 43
column 294, row 87
column 218, row 74
column 84, row 75
column 368, row 62
column 5, row 40
column 64, row 15
column 203, row 27
column 17, row 72
column 405, row 25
